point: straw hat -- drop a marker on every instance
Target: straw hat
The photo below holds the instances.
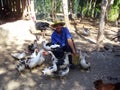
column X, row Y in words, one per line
column 58, row 23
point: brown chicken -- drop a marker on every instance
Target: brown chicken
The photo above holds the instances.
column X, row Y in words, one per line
column 99, row 85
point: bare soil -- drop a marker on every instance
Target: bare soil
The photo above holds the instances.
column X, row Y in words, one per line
column 105, row 65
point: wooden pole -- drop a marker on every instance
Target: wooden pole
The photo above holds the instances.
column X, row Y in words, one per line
column 65, row 11
column 100, row 36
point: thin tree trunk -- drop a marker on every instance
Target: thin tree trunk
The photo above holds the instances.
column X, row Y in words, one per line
column 93, row 10
column 65, row 10
column 89, row 8
column 33, row 16
column 81, row 10
column 87, row 5
column 100, row 36
column 72, row 3
column 53, row 10
column 77, row 4
column 18, row 6
column 90, row 4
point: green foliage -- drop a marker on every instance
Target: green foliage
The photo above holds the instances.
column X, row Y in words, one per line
column 113, row 13
column 116, row 3
column 59, row 5
column 44, row 7
column 97, row 12
column 84, row 11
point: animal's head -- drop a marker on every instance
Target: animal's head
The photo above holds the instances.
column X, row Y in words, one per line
column 43, row 53
column 44, row 72
column 98, row 83
column 46, row 45
column 47, row 71
column 83, row 55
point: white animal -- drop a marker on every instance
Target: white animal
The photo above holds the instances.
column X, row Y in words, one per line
column 19, row 55
column 38, row 60
column 49, row 48
column 35, row 44
column 63, row 69
column 50, row 70
column 83, row 63
column 66, row 60
column 64, row 72
column 20, row 66
column 53, row 56
column 86, row 31
column 34, row 54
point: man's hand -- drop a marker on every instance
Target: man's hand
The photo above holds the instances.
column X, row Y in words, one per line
column 74, row 52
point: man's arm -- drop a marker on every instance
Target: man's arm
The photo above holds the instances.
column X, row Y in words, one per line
column 71, row 44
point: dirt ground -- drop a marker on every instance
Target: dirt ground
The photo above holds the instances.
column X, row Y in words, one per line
column 105, row 64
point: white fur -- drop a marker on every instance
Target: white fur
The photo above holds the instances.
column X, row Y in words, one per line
column 35, row 45
column 54, row 46
column 49, row 71
column 84, row 64
column 49, row 48
column 66, row 60
column 38, row 60
column 45, row 46
column 20, row 66
column 64, row 72
column 34, row 54
column 19, row 55
column 53, row 56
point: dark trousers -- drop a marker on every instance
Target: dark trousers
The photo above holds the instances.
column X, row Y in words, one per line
column 59, row 53
column 68, row 49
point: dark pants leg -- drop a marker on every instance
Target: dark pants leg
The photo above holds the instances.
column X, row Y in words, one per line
column 70, row 59
column 68, row 49
column 59, row 53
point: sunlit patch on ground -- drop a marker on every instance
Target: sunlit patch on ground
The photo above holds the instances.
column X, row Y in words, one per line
column 3, row 70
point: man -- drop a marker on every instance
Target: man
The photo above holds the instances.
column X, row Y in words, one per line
column 62, row 36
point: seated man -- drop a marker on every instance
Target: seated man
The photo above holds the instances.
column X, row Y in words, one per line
column 62, row 36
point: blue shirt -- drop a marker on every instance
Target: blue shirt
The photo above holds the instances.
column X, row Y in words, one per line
column 61, row 39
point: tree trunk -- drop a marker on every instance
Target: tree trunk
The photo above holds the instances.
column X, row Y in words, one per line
column 76, row 8
column 90, row 4
column 100, row 36
column 18, row 6
column 65, row 10
column 93, row 10
column 33, row 16
column 72, row 3
column 53, row 10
